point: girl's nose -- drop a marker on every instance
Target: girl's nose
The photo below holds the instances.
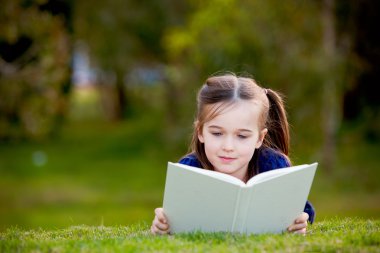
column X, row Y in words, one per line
column 228, row 144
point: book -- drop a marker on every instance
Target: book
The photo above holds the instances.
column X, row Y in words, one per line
column 196, row 199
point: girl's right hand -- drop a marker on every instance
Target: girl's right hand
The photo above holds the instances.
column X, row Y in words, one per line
column 160, row 225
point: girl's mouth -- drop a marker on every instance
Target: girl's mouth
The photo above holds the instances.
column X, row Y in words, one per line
column 226, row 159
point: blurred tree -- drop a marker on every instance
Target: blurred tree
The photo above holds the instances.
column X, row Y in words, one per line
column 123, row 35
column 34, row 67
column 322, row 55
column 290, row 47
column 358, row 36
column 332, row 94
column 280, row 44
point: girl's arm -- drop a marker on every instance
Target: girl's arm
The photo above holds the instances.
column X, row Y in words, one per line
column 299, row 225
column 160, row 225
column 309, row 209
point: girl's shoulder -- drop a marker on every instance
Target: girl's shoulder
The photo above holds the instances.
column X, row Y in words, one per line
column 271, row 159
column 190, row 160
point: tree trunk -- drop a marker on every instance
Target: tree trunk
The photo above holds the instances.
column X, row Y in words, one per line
column 121, row 96
column 114, row 101
column 330, row 96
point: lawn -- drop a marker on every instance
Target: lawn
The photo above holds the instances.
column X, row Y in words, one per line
column 94, row 174
column 333, row 235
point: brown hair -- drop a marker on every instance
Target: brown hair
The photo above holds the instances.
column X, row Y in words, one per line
column 229, row 88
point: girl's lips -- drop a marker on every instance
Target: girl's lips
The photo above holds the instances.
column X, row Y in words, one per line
column 226, row 159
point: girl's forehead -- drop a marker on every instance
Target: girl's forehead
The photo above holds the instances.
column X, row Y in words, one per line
column 221, row 108
column 240, row 114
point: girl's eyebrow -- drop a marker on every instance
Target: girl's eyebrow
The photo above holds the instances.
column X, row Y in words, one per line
column 221, row 128
column 245, row 130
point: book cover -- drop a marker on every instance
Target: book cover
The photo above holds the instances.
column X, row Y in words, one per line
column 202, row 200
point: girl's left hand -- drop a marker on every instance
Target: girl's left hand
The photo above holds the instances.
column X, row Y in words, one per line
column 299, row 225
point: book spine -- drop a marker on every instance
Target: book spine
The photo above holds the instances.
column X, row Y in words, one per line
column 233, row 226
column 241, row 210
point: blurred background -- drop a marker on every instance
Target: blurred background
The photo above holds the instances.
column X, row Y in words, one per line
column 96, row 97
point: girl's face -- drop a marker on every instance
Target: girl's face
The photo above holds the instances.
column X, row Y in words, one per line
column 230, row 139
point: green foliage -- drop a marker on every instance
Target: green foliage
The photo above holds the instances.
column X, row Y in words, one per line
column 123, row 36
column 34, row 79
column 122, row 33
column 280, row 44
column 346, row 235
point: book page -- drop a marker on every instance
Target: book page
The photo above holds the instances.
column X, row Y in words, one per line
column 275, row 203
column 273, row 173
column 193, row 201
column 211, row 173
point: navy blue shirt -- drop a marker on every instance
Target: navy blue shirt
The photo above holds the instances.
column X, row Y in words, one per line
column 268, row 159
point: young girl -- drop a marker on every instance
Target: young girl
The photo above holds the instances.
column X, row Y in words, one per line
column 241, row 129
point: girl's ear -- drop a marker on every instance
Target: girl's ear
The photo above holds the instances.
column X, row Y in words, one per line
column 200, row 136
column 261, row 137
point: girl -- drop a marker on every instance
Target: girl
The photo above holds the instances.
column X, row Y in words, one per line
column 241, row 129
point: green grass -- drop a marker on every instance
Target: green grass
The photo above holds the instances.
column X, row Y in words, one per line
column 95, row 173
column 333, row 235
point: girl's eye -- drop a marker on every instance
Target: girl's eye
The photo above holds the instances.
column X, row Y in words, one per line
column 242, row 136
column 216, row 134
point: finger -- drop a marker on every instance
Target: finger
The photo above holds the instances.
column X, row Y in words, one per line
column 303, row 217
column 301, row 231
column 157, row 231
column 158, row 224
column 153, row 229
column 160, row 215
column 297, row 226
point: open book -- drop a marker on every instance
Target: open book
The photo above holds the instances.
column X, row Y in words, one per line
column 202, row 200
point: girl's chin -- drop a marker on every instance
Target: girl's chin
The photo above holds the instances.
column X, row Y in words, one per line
column 225, row 170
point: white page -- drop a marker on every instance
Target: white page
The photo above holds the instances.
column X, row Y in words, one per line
column 277, row 202
column 193, row 201
column 273, row 173
column 210, row 173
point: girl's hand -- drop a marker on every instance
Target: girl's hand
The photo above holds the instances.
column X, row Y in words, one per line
column 160, row 225
column 299, row 225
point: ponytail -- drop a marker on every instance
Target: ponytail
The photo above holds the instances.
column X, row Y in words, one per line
column 278, row 136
